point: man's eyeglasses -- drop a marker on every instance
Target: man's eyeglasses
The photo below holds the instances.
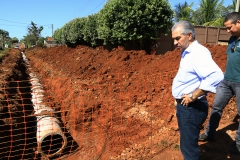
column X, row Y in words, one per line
column 233, row 46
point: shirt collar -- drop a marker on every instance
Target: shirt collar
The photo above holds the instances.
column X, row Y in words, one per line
column 189, row 48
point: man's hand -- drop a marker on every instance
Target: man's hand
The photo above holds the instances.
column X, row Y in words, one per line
column 187, row 99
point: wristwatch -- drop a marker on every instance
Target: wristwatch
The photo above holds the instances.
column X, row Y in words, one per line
column 191, row 96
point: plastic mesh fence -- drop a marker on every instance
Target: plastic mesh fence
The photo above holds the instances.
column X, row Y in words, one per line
column 85, row 119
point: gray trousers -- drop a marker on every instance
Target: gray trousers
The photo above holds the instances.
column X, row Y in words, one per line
column 225, row 91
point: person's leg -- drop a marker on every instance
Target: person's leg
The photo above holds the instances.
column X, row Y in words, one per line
column 222, row 97
column 237, row 137
column 236, row 89
column 190, row 120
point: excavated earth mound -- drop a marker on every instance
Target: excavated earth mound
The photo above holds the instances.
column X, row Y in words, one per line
column 118, row 104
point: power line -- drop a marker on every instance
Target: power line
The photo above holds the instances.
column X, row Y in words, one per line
column 12, row 21
column 88, row 4
column 81, row 7
column 24, row 23
column 12, row 25
column 97, row 6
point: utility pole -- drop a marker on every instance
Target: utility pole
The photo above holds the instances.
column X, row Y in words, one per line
column 52, row 36
column 237, row 6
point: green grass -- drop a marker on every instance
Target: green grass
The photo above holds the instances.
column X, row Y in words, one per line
column 176, row 147
column 3, row 53
column 163, row 143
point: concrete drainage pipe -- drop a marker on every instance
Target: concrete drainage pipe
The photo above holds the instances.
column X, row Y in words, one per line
column 50, row 138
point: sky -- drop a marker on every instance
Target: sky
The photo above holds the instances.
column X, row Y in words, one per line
column 16, row 16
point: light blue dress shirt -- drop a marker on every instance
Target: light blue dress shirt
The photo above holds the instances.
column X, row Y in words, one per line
column 197, row 70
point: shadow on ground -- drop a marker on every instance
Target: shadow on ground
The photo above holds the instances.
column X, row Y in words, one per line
column 219, row 149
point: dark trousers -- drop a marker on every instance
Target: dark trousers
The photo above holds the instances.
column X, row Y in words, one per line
column 190, row 120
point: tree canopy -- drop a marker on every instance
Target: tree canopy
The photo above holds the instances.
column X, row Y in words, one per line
column 3, row 35
column 129, row 20
column 183, row 11
column 15, row 40
column 120, row 21
column 90, row 30
column 34, row 33
column 208, row 12
column 134, row 19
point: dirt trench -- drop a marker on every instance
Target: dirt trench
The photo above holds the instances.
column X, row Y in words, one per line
column 18, row 129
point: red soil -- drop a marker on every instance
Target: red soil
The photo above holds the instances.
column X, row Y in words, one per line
column 118, row 104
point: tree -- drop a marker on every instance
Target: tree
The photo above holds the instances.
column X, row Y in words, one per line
column 71, row 34
column 58, row 36
column 74, row 33
column 90, row 30
column 183, row 12
column 34, row 33
column 3, row 35
column 40, row 41
column 209, row 11
column 232, row 7
column 15, row 40
column 128, row 20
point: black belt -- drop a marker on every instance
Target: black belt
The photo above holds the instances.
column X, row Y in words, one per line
column 179, row 100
